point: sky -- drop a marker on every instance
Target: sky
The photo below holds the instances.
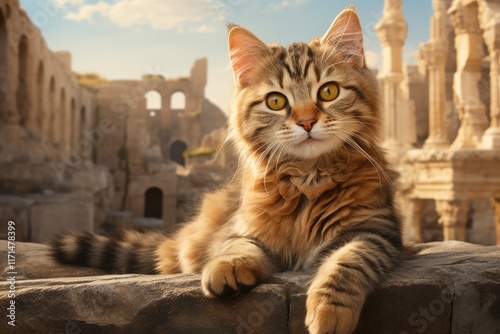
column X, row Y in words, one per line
column 124, row 39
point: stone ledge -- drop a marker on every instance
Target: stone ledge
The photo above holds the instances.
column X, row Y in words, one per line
column 448, row 287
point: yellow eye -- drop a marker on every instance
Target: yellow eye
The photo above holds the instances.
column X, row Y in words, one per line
column 329, row 92
column 276, row 101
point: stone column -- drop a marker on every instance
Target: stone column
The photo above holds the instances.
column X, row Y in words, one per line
column 453, row 217
column 392, row 31
column 469, row 46
column 489, row 14
column 435, row 53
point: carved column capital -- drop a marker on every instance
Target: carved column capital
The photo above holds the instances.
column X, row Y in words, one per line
column 489, row 19
column 453, row 216
column 392, row 32
column 463, row 19
column 392, row 28
column 435, row 53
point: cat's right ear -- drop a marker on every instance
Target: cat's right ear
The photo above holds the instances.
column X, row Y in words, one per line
column 346, row 36
column 245, row 50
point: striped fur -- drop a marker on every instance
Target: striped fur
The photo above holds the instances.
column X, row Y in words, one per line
column 123, row 252
column 318, row 198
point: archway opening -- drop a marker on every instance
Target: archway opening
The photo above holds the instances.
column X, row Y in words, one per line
column 153, row 108
column 153, row 205
column 83, row 120
column 3, row 63
column 51, row 113
column 62, row 119
column 40, row 117
column 22, row 95
column 153, row 100
column 73, row 127
column 178, row 101
column 177, row 149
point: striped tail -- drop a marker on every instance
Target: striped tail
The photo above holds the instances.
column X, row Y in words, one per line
column 127, row 252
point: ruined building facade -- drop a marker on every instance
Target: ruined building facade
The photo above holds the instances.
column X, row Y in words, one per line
column 451, row 165
column 71, row 155
column 43, row 114
column 154, row 122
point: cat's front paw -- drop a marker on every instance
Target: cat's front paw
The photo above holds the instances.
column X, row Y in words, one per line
column 229, row 275
column 326, row 314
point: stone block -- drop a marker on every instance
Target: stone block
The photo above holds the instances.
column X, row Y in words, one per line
column 49, row 218
column 449, row 287
column 16, row 209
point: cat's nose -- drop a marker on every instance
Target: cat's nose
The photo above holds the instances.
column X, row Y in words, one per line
column 307, row 124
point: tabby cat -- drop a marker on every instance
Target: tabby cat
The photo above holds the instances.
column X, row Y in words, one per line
column 313, row 191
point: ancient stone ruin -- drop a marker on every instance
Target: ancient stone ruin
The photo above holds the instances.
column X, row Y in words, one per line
column 113, row 151
column 79, row 152
column 451, row 164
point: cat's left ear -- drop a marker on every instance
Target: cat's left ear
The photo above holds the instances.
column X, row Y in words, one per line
column 346, row 37
column 245, row 52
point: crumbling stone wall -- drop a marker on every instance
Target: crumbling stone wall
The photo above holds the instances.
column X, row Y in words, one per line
column 146, row 140
column 47, row 177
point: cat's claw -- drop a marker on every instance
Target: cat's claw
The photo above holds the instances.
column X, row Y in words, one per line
column 324, row 317
column 228, row 276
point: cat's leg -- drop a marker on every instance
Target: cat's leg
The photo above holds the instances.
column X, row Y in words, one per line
column 187, row 251
column 241, row 264
column 343, row 281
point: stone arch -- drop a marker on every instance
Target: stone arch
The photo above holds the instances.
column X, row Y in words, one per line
column 62, row 118
column 73, row 120
column 153, row 203
column 40, row 101
column 51, row 119
column 178, row 101
column 3, row 62
column 153, row 100
column 22, row 94
column 153, row 108
column 83, row 121
column 177, row 149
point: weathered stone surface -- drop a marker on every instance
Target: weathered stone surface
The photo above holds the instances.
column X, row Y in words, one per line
column 33, row 262
column 57, row 217
column 450, row 287
column 17, row 209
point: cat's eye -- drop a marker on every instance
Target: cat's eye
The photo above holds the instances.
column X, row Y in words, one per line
column 329, row 92
column 276, row 101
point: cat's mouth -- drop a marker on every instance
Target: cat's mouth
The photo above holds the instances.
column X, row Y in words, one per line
column 310, row 139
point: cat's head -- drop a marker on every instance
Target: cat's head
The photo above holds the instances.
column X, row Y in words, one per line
column 303, row 101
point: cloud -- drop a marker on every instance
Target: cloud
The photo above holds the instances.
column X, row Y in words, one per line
column 86, row 12
column 63, row 3
column 185, row 15
column 286, row 3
